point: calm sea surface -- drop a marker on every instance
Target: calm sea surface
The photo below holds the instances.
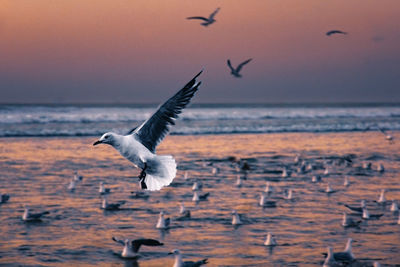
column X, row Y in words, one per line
column 37, row 170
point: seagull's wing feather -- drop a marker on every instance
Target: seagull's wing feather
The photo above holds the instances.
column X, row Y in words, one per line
column 230, row 65
column 118, row 241
column 213, row 14
column 146, row 242
column 242, row 64
column 153, row 130
column 202, row 18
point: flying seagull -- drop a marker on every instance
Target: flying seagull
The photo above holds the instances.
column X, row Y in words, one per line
column 335, row 32
column 139, row 145
column 131, row 248
column 207, row 21
column 235, row 72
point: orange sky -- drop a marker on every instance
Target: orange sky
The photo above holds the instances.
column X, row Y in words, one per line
column 77, row 50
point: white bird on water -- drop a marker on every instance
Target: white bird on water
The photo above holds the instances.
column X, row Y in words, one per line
column 346, row 181
column 238, row 181
column 382, row 198
column 346, row 255
column 394, row 207
column 131, row 248
column 139, row 145
column 270, row 240
column 235, row 218
column 380, row 168
column 162, row 223
column 32, row 217
column 180, row 263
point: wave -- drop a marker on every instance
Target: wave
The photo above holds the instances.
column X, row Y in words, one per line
column 43, row 115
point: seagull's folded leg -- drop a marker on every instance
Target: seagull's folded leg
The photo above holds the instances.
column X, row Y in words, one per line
column 142, row 175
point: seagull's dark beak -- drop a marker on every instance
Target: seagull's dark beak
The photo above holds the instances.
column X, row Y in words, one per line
column 170, row 253
column 97, row 142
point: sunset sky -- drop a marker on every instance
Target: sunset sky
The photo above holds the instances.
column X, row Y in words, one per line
column 143, row 51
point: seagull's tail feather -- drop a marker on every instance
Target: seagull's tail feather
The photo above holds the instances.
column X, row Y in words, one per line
column 161, row 171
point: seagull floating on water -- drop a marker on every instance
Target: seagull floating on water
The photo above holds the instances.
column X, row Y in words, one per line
column 207, row 21
column 72, row 185
column 139, row 145
column 185, row 213
column 131, row 248
column 288, row 194
column 235, row 218
column 285, row 173
column 162, row 223
column 366, row 215
column 235, row 71
column 78, row 177
column 366, row 165
column 347, row 255
column 346, row 181
column 238, row 181
column 394, row 207
column 180, row 263
column 265, row 203
column 32, row 217
column 270, row 240
column 197, row 186
column 382, row 198
column 197, row 197
column 111, row 206
column 103, row 190
column 268, row 188
column 380, row 168
column 316, row 178
column 329, row 33
column 348, row 222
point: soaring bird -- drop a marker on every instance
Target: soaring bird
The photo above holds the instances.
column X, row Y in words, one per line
column 335, row 32
column 207, row 21
column 139, row 145
column 131, row 248
column 235, row 72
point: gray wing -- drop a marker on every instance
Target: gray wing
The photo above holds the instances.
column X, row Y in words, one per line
column 194, row 263
column 153, row 130
column 146, row 242
column 242, row 64
column 202, row 18
column 214, row 13
column 230, row 65
column 118, row 241
column 334, row 32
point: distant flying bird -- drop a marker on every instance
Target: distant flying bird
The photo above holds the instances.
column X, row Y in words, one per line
column 235, row 72
column 139, row 145
column 335, row 32
column 207, row 21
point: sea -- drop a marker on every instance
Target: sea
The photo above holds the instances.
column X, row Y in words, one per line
column 198, row 119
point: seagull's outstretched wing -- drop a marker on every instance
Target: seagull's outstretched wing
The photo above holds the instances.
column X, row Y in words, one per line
column 230, row 65
column 118, row 241
column 213, row 14
column 146, row 242
column 153, row 130
column 202, row 18
column 242, row 64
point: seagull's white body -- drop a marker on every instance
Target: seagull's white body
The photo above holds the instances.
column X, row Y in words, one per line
column 72, row 185
column 128, row 252
column 328, row 188
column 365, row 214
column 161, row 223
column 270, row 240
column 180, row 263
column 382, row 198
column 235, row 218
column 289, row 194
column 268, row 188
column 263, row 199
column 380, row 168
column 394, row 207
column 238, row 181
column 285, row 173
column 25, row 216
column 182, row 208
column 346, row 181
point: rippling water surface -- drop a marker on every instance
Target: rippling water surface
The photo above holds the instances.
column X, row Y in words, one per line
column 36, row 171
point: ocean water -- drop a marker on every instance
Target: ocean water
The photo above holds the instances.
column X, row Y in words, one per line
column 36, row 171
column 64, row 120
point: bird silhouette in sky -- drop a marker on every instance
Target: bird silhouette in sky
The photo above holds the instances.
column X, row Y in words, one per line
column 235, row 71
column 207, row 21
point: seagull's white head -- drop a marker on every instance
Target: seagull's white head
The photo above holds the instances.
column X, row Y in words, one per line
column 107, row 138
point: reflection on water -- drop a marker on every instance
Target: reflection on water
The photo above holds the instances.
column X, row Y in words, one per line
column 37, row 171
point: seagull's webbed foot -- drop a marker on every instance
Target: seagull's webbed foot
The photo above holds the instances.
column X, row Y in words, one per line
column 142, row 175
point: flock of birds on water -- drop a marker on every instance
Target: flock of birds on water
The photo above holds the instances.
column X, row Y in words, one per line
column 139, row 146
